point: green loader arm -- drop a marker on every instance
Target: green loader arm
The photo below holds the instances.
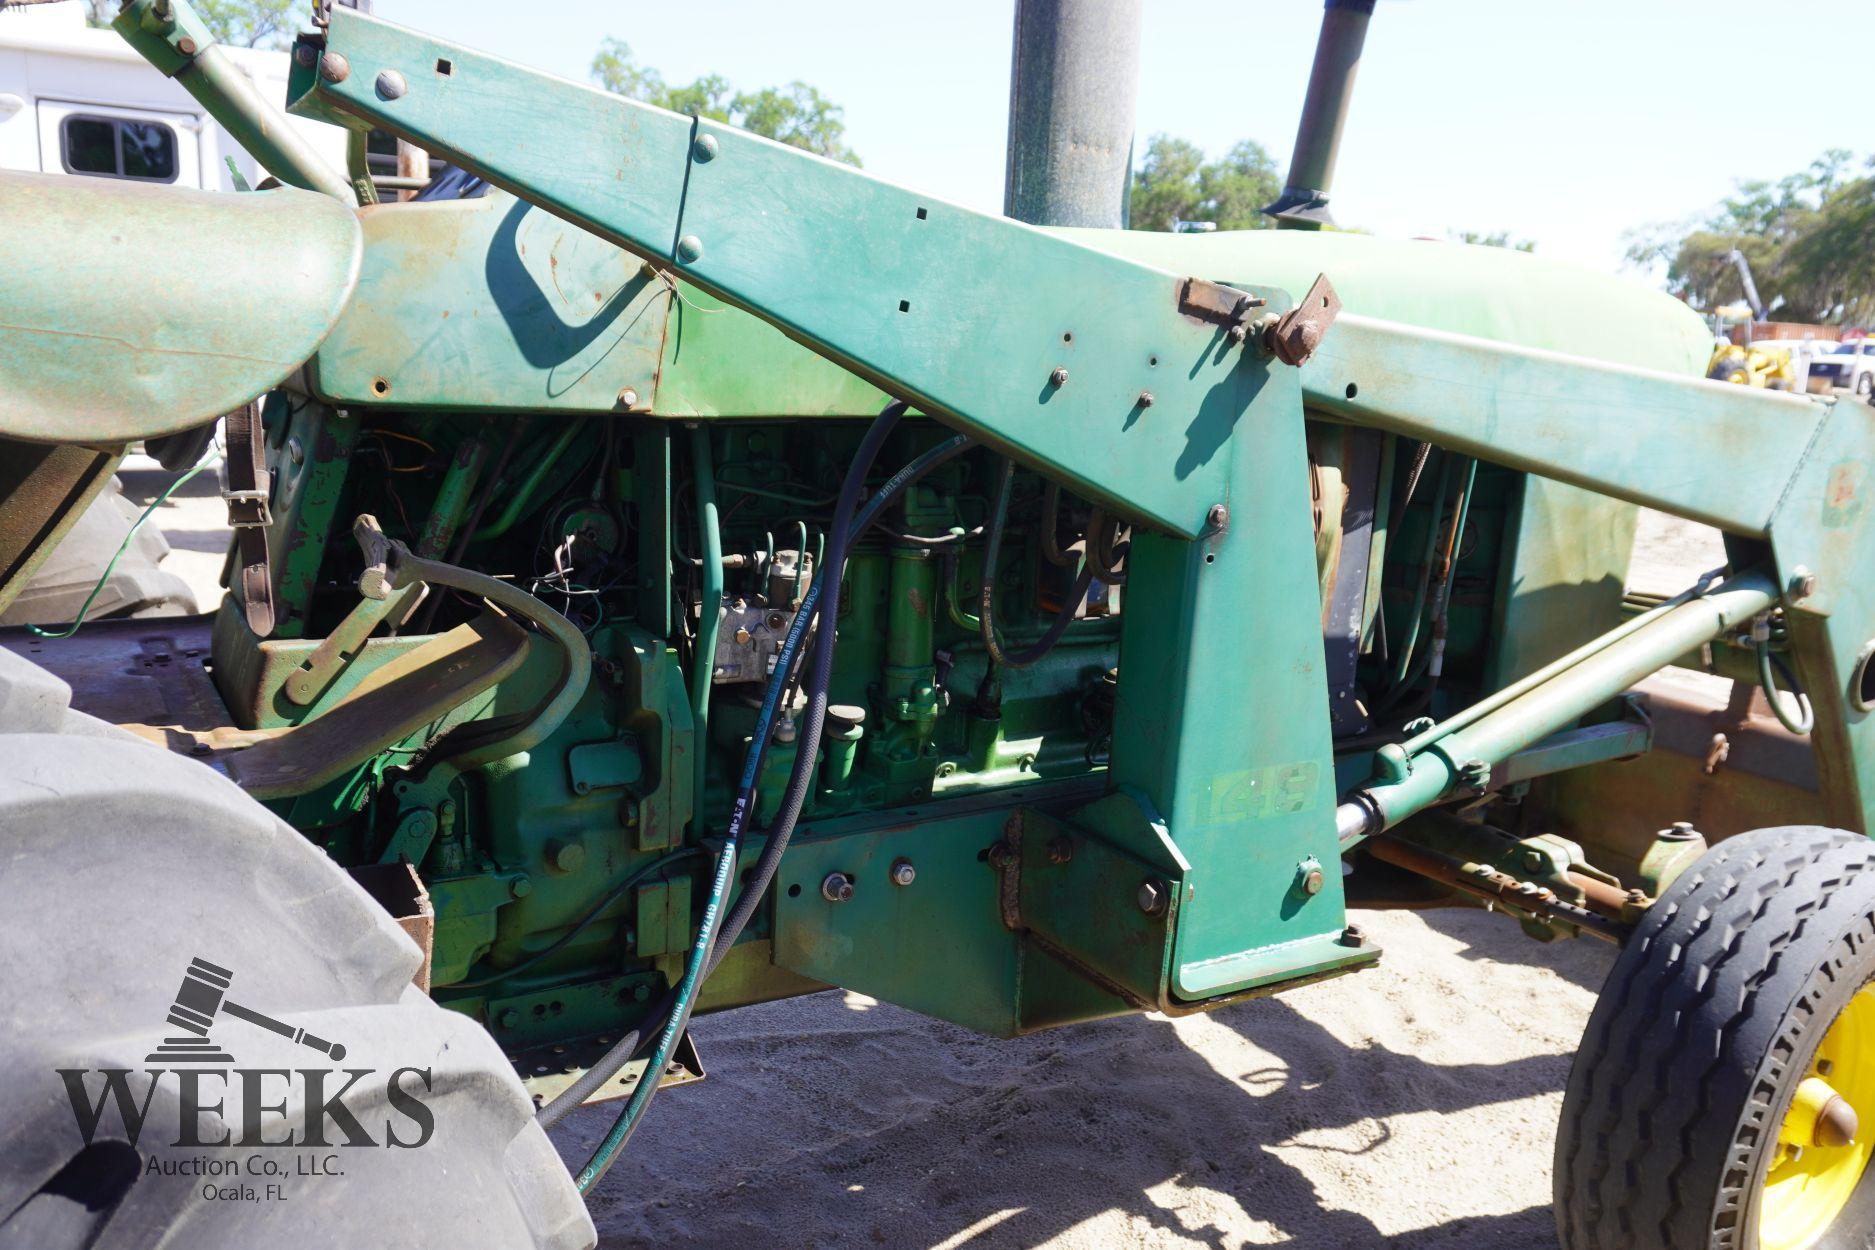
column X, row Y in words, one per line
column 1106, row 374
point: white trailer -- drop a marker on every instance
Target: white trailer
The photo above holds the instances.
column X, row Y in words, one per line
column 75, row 99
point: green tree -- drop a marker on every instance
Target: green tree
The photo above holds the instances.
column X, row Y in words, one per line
column 1809, row 239
column 796, row 114
column 244, row 23
column 1496, row 238
column 1174, row 182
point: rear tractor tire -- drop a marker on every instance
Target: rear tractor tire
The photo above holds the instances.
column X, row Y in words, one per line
column 1724, row 1092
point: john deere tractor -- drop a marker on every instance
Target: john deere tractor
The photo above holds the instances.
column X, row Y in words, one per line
column 672, row 571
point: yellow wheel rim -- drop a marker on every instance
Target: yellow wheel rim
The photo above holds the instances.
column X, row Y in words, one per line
column 1813, row 1174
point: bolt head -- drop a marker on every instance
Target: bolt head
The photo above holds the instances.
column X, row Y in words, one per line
column 305, row 56
column 1060, row 849
column 1146, row 399
column 690, row 249
column 837, row 887
column 391, row 85
column 1059, row 377
column 1802, row 583
column 704, row 149
column 1217, row 516
column 628, row 398
column 1312, row 881
column 186, row 46
column 522, row 887
column 903, row 873
column 509, row 1018
column 1152, row 898
column 1353, row 935
column 333, row 67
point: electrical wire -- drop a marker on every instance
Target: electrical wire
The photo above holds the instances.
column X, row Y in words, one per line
column 85, row 608
column 579, row 926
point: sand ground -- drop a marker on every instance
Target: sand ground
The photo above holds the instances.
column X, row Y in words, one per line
column 1410, row 1105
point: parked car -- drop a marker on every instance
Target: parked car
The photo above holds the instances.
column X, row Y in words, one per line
column 1850, row 365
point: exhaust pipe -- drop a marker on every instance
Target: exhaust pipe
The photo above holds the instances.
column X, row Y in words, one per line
column 1303, row 205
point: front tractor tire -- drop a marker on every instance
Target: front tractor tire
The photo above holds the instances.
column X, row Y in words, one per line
column 1724, row 1092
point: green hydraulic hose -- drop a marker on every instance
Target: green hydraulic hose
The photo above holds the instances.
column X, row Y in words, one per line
column 703, row 667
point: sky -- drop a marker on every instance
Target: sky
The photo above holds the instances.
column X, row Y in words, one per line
column 1566, row 123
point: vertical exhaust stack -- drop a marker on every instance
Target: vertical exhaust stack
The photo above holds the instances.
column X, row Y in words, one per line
column 1073, row 85
column 1303, row 205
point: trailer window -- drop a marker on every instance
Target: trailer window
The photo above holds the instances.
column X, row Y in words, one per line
column 113, row 147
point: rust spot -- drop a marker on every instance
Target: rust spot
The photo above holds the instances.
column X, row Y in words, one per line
column 918, row 604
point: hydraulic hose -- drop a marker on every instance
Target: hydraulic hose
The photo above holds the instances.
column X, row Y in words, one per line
column 986, row 591
column 712, row 945
column 1805, row 719
column 628, row 1046
column 709, row 622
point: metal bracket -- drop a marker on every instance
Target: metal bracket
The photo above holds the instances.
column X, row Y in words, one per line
column 1298, row 332
column 1219, row 304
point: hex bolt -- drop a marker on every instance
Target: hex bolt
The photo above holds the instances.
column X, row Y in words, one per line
column 1060, row 376
column 509, row 1018
column 333, row 67
column 1309, row 877
column 1060, row 849
column 903, row 873
column 1145, row 399
column 1152, row 897
column 628, row 398
column 1353, row 935
column 522, row 887
column 1681, row 831
column 704, row 149
column 690, row 249
column 391, row 85
column 1802, row 582
column 837, row 887
column 1218, row 517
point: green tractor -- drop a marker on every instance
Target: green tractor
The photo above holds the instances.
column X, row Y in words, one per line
column 674, row 572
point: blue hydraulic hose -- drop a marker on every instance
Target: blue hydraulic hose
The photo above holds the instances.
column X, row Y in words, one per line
column 627, row 1046
column 703, row 951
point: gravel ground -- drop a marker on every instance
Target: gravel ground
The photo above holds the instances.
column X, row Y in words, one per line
column 1341, row 1115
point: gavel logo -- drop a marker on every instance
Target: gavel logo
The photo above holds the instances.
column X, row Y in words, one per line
column 203, row 996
